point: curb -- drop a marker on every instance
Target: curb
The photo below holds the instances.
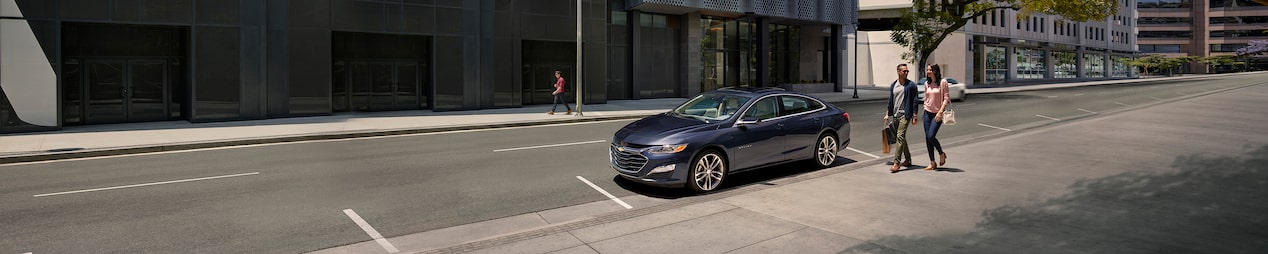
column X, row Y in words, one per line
column 101, row 152
column 1038, row 87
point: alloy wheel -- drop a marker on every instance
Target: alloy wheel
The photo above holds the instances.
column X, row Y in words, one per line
column 827, row 151
column 708, row 172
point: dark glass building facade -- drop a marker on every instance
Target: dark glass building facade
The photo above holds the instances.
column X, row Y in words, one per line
column 78, row 62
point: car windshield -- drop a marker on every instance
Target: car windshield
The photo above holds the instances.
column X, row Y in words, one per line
column 711, row 107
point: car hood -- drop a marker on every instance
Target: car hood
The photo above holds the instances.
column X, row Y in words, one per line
column 660, row 127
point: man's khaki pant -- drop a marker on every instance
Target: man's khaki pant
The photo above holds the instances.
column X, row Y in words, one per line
column 903, row 151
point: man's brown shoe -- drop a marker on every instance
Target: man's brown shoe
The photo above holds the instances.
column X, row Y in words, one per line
column 550, row 113
column 569, row 112
column 906, row 164
column 894, row 168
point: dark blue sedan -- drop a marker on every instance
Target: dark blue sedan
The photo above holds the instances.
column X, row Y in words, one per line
column 727, row 131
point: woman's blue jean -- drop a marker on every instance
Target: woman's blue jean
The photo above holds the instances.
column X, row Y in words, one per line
column 931, row 134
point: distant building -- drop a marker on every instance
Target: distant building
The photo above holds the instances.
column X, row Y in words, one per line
column 999, row 49
column 1202, row 28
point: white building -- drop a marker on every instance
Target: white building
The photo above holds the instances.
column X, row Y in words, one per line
column 997, row 48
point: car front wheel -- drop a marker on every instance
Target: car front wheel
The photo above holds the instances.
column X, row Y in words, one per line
column 826, row 150
column 707, row 171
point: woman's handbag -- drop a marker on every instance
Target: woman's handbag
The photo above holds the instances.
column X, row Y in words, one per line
column 948, row 117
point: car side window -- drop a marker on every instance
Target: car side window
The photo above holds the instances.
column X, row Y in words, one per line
column 796, row 104
column 763, row 109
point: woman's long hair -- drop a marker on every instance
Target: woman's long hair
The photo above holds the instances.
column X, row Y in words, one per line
column 937, row 75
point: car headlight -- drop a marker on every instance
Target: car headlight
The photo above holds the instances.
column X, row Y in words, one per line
column 667, row 149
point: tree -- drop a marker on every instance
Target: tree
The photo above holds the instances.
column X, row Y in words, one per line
column 1146, row 62
column 1219, row 60
column 1170, row 64
column 930, row 21
column 1254, row 48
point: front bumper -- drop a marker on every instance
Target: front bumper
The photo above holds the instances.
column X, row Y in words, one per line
column 636, row 164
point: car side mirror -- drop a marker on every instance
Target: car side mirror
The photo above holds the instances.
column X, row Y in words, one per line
column 748, row 120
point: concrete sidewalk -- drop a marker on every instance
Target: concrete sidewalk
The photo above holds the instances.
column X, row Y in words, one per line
column 1082, row 201
column 131, row 138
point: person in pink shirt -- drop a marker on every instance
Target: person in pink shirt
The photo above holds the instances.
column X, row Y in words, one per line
column 937, row 98
column 559, row 94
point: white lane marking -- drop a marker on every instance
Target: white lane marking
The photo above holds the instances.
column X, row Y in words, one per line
column 1088, row 111
column 862, row 152
column 1049, row 118
column 146, row 184
column 1124, row 104
column 986, row 125
column 370, row 231
column 605, row 193
column 1052, row 96
column 1181, row 93
column 309, row 141
column 1078, row 94
column 966, row 104
column 545, row 146
column 1155, row 98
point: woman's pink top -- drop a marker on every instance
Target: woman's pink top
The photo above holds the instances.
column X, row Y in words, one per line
column 936, row 95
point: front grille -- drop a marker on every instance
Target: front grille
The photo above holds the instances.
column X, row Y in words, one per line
column 629, row 161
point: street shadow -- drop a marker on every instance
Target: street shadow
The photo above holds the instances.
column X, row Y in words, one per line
column 916, row 167
column 952, row 170
column 1203, row 204
column 761, row 176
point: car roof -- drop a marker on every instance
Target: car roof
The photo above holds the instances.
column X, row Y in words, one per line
column 753, row 91
column 750, row 89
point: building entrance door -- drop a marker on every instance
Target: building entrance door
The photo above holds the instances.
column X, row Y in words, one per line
column 121, row 91
column 378, row 86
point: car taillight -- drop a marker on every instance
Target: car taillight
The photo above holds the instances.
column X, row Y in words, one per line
column 847, row 116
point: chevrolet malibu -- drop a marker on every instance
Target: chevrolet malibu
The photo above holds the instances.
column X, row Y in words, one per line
column 730, row 130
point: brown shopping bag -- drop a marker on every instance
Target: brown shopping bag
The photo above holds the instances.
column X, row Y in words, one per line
column 885, row 140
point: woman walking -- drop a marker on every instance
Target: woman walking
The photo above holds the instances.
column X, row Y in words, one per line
column 937, row 98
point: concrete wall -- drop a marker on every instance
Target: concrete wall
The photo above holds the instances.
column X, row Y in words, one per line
column 26, row 75
column 953, row 57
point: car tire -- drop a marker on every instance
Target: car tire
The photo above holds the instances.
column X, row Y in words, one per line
column 826, row 148
column 708, row 169
column 964, row 96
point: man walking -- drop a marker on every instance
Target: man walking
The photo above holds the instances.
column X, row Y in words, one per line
column 902, row 103
column 559, row 94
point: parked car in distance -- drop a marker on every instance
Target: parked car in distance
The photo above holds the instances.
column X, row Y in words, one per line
column 718, row 133
column 958, row 90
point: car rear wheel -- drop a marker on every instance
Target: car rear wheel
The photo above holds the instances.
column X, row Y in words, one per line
column 826, row 150
column 707, row 172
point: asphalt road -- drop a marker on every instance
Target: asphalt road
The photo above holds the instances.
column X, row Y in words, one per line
column 287, row 198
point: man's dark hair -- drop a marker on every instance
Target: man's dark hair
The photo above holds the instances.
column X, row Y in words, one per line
column 900, row 66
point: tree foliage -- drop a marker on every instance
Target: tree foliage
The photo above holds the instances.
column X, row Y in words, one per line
column 930, row 21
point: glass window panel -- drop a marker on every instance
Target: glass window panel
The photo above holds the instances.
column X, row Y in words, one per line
column 1066, row 64
column 222, row 12
column 85, row 9
column 178, row 11
column 72, row 92
column 1236, row 4
column 217, row 91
